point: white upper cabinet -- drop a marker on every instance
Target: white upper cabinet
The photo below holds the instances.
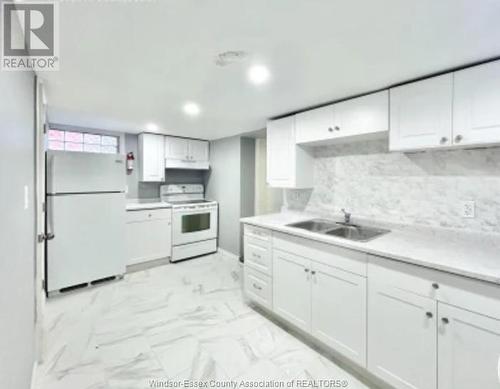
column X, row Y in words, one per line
column 184, row 153
column 469, row 350
column 198, row 150
column 176, row 148
column 351, row 118
column 151, row 158
column 363, row 115
column 288, row 165
column 421, row 114
column 476, row 110
column 315, row 125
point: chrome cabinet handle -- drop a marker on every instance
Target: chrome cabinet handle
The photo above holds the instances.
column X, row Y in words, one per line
column 257, row 287
column 256, row 255
column 445, row 320
column 459, row 138
column 443, row 140
column 306, row 270
column 313, row 272
column 435, row 285
column 337, row 128
column 330, row 129
column 429, row 315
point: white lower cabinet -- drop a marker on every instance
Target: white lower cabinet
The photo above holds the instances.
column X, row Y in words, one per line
column 292, row 288
column 339, row 311
column 401, row 336
column 469, row 349
column 149, row 235
column 258, row 287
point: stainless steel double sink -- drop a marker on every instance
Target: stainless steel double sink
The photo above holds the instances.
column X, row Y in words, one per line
column 349, row 231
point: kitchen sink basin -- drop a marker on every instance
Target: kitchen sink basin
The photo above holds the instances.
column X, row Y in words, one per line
column 355, row 232
column 314, row 225
column 341, row 230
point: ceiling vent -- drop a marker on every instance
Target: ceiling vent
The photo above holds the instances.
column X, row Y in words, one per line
column 229, row 57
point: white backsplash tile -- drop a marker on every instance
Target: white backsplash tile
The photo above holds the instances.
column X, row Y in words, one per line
column 422, row 188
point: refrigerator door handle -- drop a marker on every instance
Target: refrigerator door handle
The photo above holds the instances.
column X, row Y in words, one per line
column 49, row 234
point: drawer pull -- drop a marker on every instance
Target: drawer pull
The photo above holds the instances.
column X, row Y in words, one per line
column 445, row 320
column 257, row 286
column 429, row 315
column 435, row 286
column 256, row 255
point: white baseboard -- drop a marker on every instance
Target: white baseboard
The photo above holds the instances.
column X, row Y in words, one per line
column 227, row 255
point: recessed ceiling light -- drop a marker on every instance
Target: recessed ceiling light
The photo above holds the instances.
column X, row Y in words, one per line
column 191, row 109
column 259, row 74
column 152, row 127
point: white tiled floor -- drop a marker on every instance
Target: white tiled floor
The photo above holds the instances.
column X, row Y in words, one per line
column 180, row 321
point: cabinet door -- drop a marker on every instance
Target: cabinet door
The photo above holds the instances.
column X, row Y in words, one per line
column 339, row 311
column 281, row 152
column 315, row 125
column 421, row 114
column 198, row 150
column 152, row 158
column 177, row 148
column 362, row 115
column 476, row 112
column 469, row 350
column 401, row 337
column 292, row 288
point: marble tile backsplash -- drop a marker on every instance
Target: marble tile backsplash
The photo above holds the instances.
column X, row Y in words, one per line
column 425, row 188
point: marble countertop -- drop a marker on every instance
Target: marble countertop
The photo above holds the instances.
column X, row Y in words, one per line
column 139, row 204
column 474, row 255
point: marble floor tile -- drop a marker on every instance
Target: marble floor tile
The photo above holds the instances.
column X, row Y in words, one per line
column 176, row 322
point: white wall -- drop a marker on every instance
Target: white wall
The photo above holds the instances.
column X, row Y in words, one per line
column 231, row 182
column 17, row 229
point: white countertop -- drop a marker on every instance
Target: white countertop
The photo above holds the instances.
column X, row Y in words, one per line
column 474, row 255
column 139, row 204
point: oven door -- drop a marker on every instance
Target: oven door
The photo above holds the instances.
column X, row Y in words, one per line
column 194, row 225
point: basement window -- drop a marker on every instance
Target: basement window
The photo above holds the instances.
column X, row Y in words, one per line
column 82, row 141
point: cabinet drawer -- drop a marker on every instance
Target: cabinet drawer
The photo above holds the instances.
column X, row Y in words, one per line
column 257, row 232
column 339, row 257
column 258, row 254
column 474, row 295
column 258, row 287
column 148, row 214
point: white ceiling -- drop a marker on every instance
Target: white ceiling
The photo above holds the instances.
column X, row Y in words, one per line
column 127, row 63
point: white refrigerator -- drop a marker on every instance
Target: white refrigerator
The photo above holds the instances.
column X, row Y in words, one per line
column 85, row 219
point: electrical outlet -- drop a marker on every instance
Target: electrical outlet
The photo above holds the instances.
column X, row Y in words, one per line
column 468, row 209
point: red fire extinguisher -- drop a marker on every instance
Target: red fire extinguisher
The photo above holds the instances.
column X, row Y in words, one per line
column 130, row 161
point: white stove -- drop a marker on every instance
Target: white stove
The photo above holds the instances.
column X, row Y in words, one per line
column 194, row 220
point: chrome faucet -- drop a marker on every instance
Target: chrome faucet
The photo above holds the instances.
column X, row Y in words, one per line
column 347, row 216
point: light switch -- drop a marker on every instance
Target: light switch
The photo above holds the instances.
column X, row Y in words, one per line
column 26, row 197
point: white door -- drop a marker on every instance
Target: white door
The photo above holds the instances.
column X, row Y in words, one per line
column 476, row 105
column 152, row 157
column 402, row 337
column 421, row 114
column 40, row 173
column 315, row 125
column 176, row 148
column 281, row 152
column 469, row 350
column 339, row 311
column 198, row 150
column 363, row 115
column 292, row 288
